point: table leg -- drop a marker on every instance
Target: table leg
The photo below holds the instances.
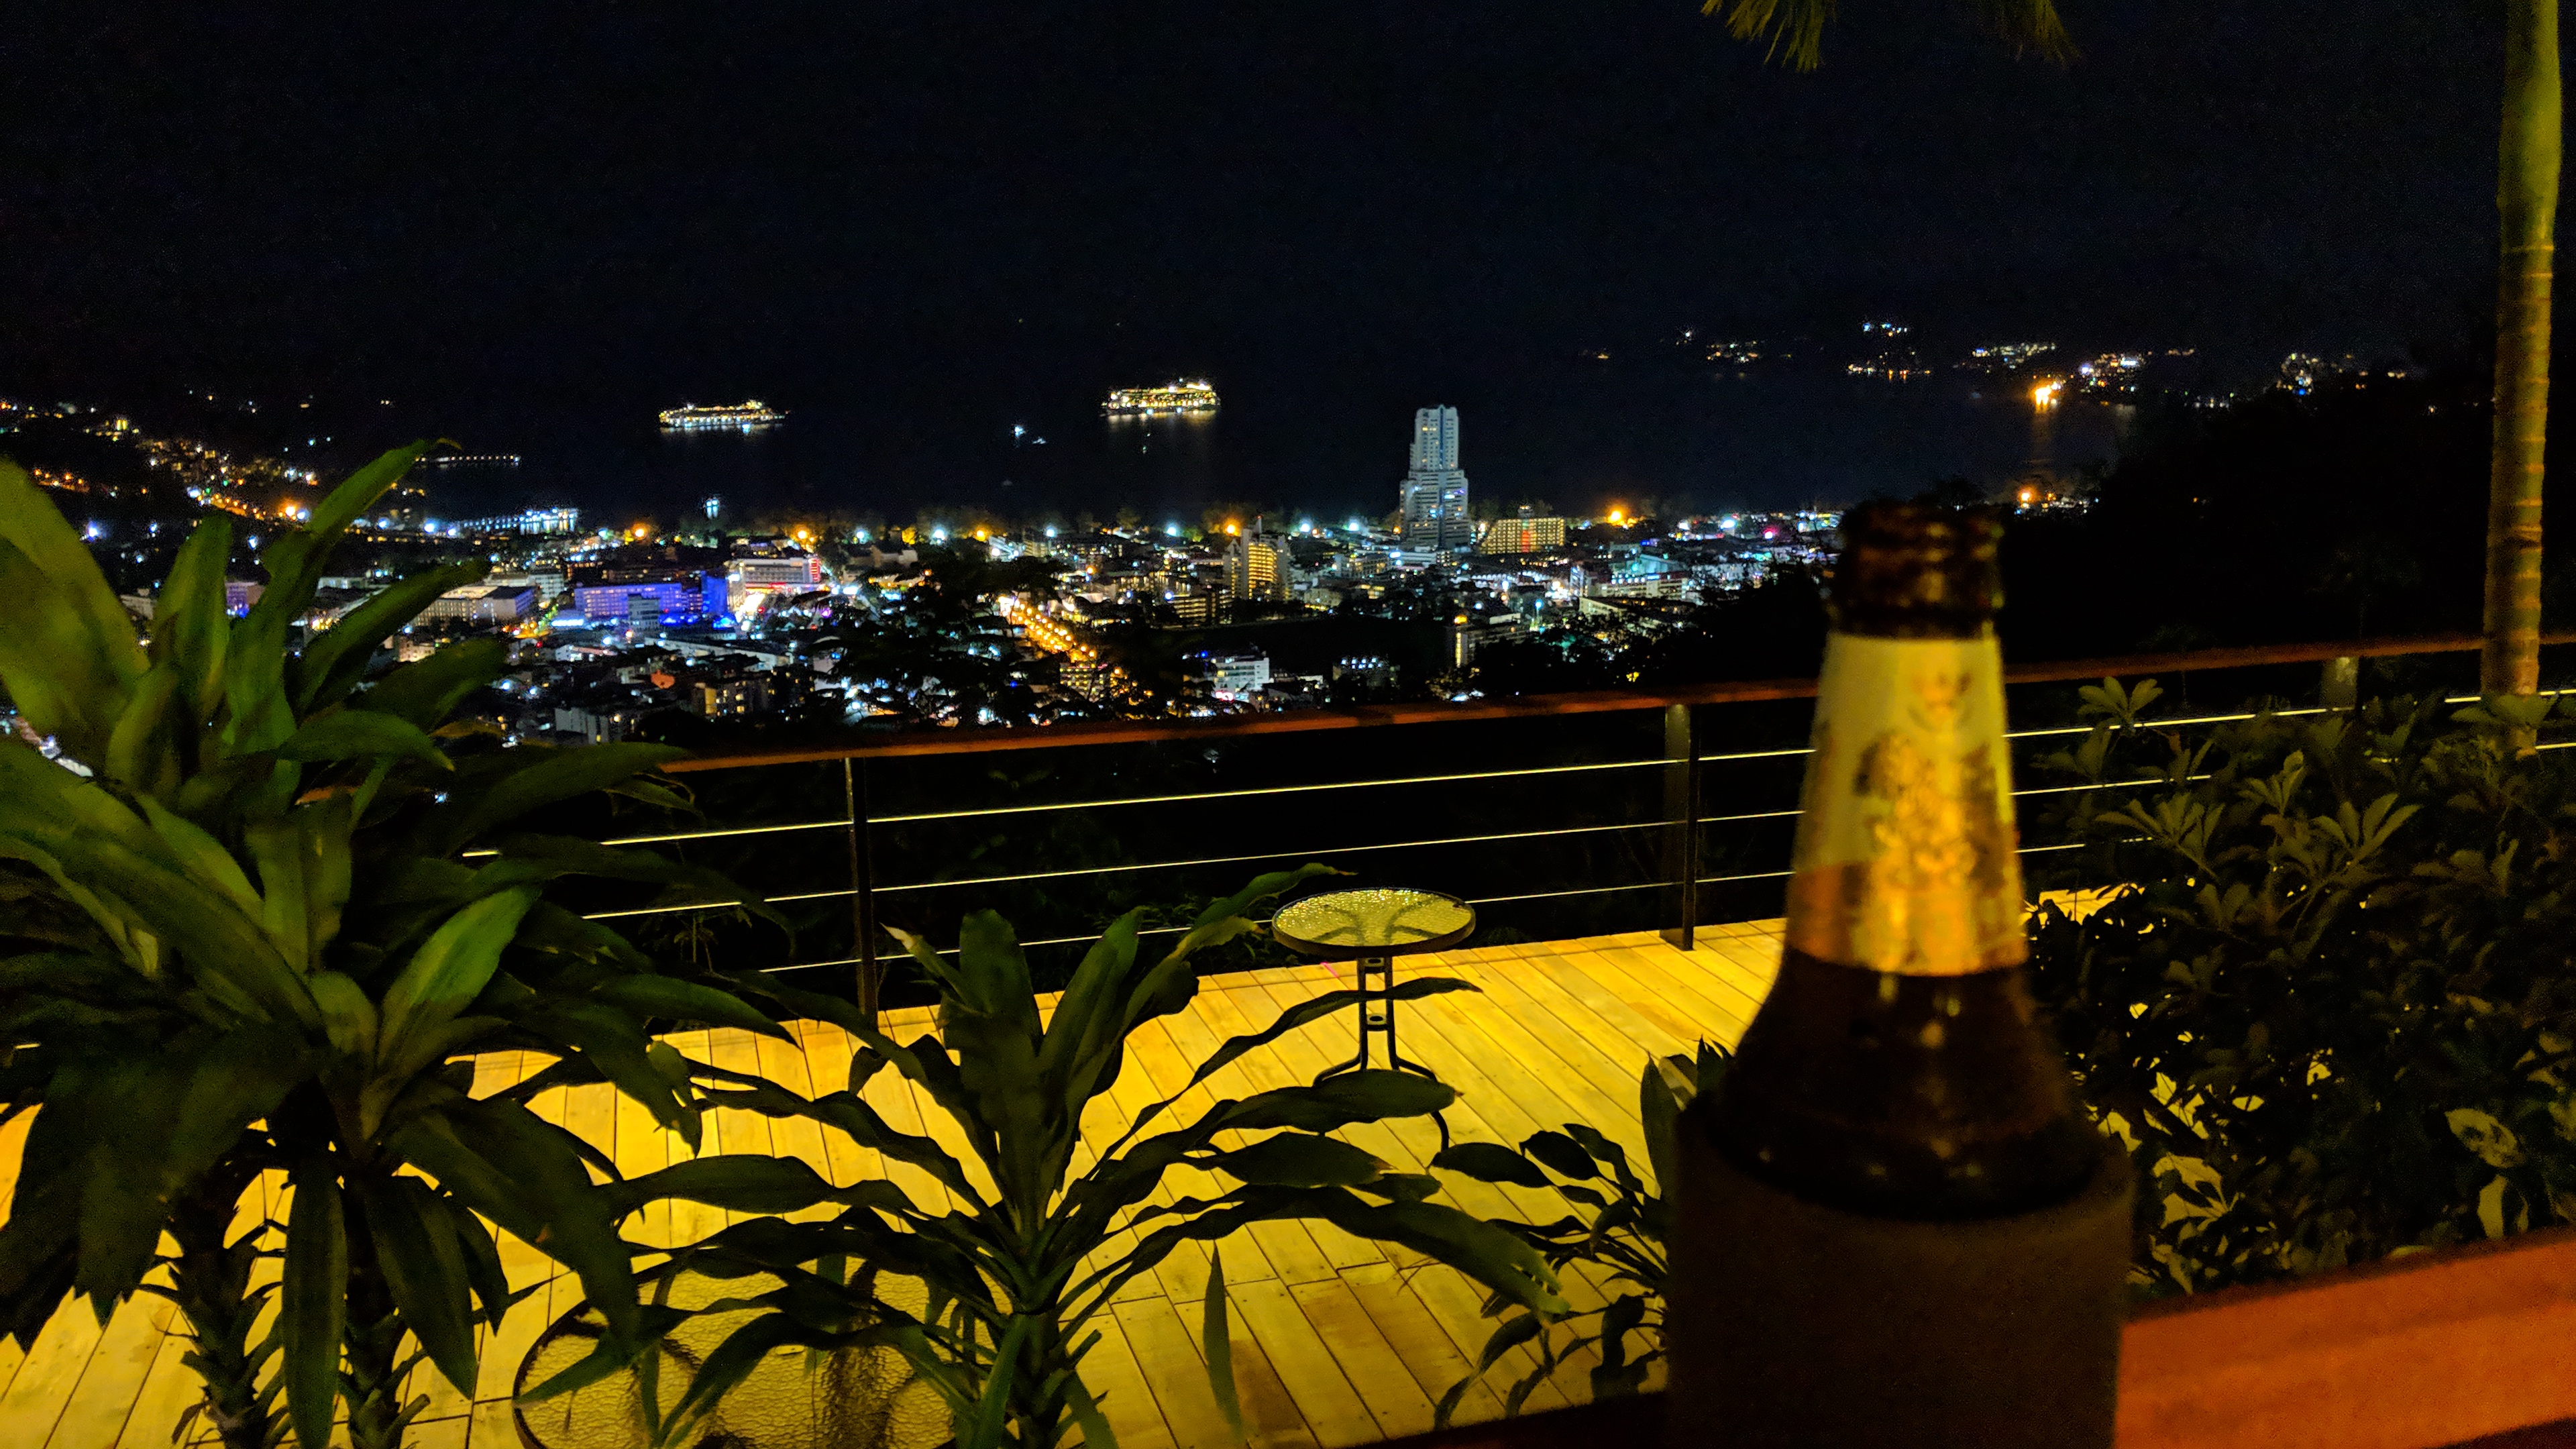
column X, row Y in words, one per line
column 1377, row 1015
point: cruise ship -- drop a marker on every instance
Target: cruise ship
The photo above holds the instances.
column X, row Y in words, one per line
column 1177, row 397
column 740, row 418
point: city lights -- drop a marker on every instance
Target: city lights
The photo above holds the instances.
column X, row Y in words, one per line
column 2045, row 395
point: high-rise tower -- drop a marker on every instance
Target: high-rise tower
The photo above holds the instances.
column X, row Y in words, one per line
column 1435, row 490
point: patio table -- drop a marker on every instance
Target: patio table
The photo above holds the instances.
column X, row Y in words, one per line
column 1372, row 928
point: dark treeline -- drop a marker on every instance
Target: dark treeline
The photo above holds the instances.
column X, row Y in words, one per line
column 2358, row 510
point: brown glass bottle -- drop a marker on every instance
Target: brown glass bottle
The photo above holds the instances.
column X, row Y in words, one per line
column 1896, row 1067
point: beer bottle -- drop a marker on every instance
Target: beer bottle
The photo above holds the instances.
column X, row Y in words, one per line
column 1893, row 1225
column 1896, row 1068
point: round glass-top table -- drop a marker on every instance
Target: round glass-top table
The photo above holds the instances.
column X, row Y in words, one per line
column 1372, row 928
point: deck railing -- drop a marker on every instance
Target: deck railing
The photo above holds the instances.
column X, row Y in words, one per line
column 1626, row 808
column 2425, row 1351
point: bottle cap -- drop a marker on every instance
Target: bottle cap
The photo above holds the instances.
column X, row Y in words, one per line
column 1917, row 569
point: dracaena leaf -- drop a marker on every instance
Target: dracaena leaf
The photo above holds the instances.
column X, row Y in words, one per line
column 450, row 968
column 425, row 690
column 504, row 1162
column 313, row 1302
column 665, row 996
column 190, row 630
column 333, row 662
column 361, row 734
column 425, row 1268
column 535, row 778
column 50, row 658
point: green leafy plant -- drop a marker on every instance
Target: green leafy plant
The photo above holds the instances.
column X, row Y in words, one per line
column 1033, row 1246
column 281, row 897
column 1622, row 1232
column 2331, row 1006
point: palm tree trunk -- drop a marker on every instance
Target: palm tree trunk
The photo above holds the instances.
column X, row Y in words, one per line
column 2527, row 200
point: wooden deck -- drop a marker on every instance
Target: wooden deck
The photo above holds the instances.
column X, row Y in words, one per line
column 1337, row 1341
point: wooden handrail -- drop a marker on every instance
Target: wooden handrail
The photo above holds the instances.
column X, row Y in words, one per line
column 2431, row 1350
column 1534, row 706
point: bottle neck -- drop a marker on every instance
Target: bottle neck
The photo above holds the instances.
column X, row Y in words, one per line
column 1905, row 860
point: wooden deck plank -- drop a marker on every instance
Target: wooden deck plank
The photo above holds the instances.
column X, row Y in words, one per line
column 1338, row 1341
column 1697, row 996
column 1174, row 1373
column 44, row 1383
column 1300, row 1053
column 1195, row 1038
column 1323, row 1393
column 169, row 1387
column 1183, row 1275
column 796, row 1137
column 1392, row 1395
column 1289, row 1248
column 1413, row 1332
column 1467, row 1062
column 98, row 1404
column 641, row 1145
column 692, row 1222
column 1117, row 1382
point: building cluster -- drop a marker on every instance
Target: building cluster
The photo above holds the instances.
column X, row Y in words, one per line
column 616, row 634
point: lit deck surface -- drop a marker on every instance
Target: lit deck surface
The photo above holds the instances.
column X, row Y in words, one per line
column 1336, row 1340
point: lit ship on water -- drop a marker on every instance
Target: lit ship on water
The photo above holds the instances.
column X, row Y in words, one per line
column 1178, row 397
column 740, row 418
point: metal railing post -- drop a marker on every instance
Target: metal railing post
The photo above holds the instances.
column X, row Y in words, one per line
column 863, row 895
column 1681, row 830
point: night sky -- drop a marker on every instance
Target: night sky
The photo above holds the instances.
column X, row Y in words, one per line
column 660, row 199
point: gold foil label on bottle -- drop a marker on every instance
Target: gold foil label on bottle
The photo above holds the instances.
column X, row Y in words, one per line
column 1905, row 857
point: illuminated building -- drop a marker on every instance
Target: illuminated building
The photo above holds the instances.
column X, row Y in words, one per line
column 773, row 574
column 1434, row 495
column 740, row 417
column 1525, row 534
column 1237, row 676
column 1256, row 567
column 484, row 603
column 678, row 598
column 1179, row 397
column 532, row 521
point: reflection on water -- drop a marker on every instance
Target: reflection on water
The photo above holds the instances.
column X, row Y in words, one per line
column 1333, row 443
column 2097, row 432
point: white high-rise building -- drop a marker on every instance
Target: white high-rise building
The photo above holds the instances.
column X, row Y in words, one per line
column 1435, row 490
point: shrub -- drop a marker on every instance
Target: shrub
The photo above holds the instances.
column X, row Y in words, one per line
column 2332, row 1005
column 248, row 934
